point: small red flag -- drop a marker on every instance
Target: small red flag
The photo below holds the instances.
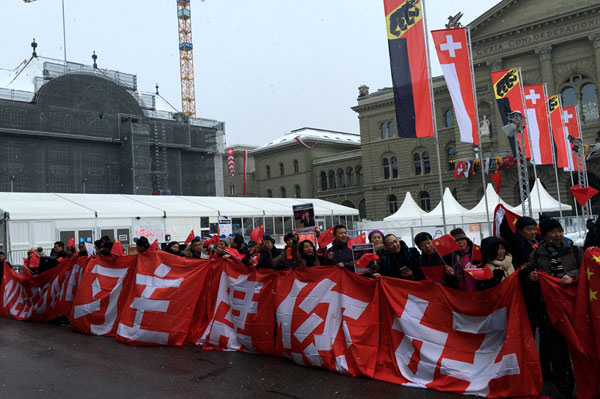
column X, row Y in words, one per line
column 445, row 245
column 480, row 273
column 325, row 238
column 583, row 194
column 71, row 242
column 365, row 260
column 257, row 234
column 360, row 239
column 34, row 261
column 153, row 247
column 461, row 168
column 496, row 178
column 117, row 248
column 214, row 240
column 234, row 253
column 190, row 237
column 511, row 219
column 509, row 162
column 434, row 273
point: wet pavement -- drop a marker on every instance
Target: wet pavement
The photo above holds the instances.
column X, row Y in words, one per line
column 40, row 360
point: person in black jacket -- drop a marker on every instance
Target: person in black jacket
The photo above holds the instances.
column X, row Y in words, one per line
column 430, row 257
column 339, row 254
column 399, row 260
column 524, row 241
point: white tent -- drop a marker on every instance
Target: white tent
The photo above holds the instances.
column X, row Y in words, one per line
column 478, row 213
column 454, row 212
column 409, row 213
column 549, row 204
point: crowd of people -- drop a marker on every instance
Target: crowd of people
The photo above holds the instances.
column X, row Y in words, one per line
column 531, row 248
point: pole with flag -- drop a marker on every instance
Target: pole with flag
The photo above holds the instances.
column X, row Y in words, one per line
column 547, row 120
column 411, row 74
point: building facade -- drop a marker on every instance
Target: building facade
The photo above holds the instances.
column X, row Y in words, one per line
column 79, row 129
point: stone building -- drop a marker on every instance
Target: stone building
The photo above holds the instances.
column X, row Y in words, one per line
column 552, row 41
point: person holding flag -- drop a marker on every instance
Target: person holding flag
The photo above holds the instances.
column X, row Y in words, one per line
column 496, row 256
column 432, row 263
column 467, row 256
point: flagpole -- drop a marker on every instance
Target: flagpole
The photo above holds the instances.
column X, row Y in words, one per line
column 523, row 166
column 487, row 211
column 554, row 161
column 437, row 143
column 583, row 173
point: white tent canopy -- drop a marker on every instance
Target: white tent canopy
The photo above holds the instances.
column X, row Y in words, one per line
column 409, row 212
column 454, row 211
column 549, row 204
column 478, row 213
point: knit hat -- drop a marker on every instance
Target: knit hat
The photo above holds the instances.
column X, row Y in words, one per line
column 375, row 232
column 549, row 224
column 458, row 234
column 423, row 236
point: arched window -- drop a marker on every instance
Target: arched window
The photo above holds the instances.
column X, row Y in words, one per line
column 390, row 129
column 296, row 167
column 394, row 163
column 269, row 193
column 268, row 172
column 386, row 168
column 323, row 181
column 281, row 169
column 283, row 193
column 417, row 160
column 362, row 208
column 350, row 176
column 359, row 176
column 425, row 201
column 581, row 91
column 448, row 118
column 383, row 130
column 348, row 203
column 426, row 163
column 340, row 178
column 393, row 204
column 331, row 176
column 297, row 189
column 451, row 153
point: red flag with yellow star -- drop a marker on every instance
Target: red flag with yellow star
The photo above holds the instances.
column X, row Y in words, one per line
column 445, row 245
column 575, row 312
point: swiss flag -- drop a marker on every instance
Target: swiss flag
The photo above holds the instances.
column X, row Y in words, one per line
column 445, row 245
column 560, row 140
column 360, row 239
column 190, row 237
column 461, row 168
column 537, row 119
column 325, row 238
column 257, row 234
column 571, row 122
column 583, row 194
column 117, row 248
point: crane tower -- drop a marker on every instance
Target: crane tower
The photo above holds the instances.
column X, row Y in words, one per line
column 186, row 58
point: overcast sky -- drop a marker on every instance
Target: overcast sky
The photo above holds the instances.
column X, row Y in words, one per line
column 264, row 67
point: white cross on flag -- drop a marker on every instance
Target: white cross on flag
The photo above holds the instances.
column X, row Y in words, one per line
column 230, row 161
column 453, row 52
column 571, row 123
column 539, row 130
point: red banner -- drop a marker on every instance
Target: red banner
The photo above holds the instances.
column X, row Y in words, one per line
column 456, row 341
column 539, row 129
column 42, row 297
column 558, row 131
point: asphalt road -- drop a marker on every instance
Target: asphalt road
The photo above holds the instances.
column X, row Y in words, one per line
column 40, row 360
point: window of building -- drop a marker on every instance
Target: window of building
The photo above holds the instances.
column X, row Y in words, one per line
column 426, row 163
column 448, row 118
column 270, row 193
column 425, row 200
column 393, row 204
column 281, row 169
column 359, row 176
column 383, row 130
column 232, row 189
column 268, row 172
column 297, row 189
column 323, row 181
column 296, row 167
column 581, row 91
column 451, row 153
column 283, row 193
column 390, row 129
column 350, row 176
column 386, row 168
column 340, row 178
column 394, row 163
column 331, row 176
column 417, row 161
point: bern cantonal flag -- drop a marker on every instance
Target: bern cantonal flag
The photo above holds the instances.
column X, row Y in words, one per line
column 537, row 119
column 410, row 71
column 231, row 161
column 452, row 48
column 571, row 123
column 558, row 131
column 325, row 238
column 583, row 194
column 509, row 98
column 460, row 169
column 574, row 311
column 360, row 239
column 445, row 245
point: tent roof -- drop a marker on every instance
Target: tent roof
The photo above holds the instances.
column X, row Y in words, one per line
column 549, row 204
column 478, row 213
column 41, row 206
column 454, row 211
column 408, row 210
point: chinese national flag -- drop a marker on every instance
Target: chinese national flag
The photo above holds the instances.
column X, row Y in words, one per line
column 234, row 253
column 71, row 244
column 480, row 273
column 434, row 273
column 190, row 237
column 575, row 312
column 213, row 240
column 361, row 239
column 445, row 245
column 365, row 260
column 257, row 234
column 583, row 194
column 117, row 248
column 153, row 247
column 325, row 238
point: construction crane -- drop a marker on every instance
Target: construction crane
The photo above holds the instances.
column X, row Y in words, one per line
column 186, row 58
